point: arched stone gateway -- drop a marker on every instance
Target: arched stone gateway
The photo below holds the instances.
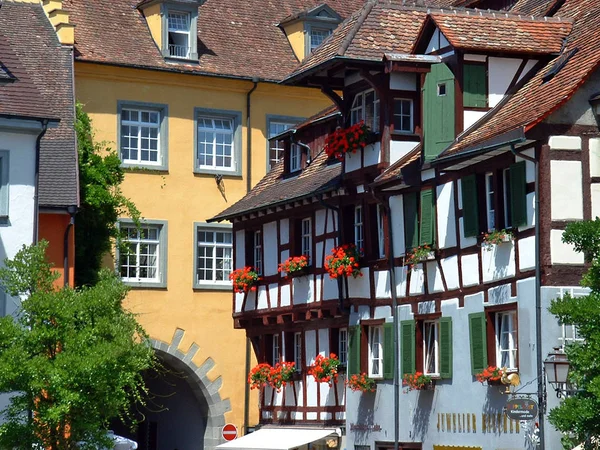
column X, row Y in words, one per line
column 205, row 391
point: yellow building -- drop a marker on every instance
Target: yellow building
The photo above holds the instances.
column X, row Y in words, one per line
column 175, row 86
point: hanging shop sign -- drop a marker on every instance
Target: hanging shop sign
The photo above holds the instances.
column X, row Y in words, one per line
column 521, row 409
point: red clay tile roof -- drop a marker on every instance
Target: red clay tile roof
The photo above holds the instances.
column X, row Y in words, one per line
column 236, row 38
column 533, row 7
column 49, row 66
column 499, row 32
column 394, row 172
column 536, row 100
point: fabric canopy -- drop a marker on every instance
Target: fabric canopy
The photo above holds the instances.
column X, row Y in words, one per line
column 277, row 438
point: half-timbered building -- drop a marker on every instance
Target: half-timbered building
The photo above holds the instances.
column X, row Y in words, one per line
column 484, row 145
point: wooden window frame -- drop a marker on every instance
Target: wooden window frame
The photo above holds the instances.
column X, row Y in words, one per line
column 491, row 331
column 490, row 201
column 411, row 114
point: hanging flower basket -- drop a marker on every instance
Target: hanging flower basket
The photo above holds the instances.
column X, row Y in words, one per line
column 491, row 375
column 494, row 238
column 294, row 265
column 244, row 280
column 418, row 254
column 281, row 374
column 343, row 262
column 346, row 140
column 325, row 370
column 418, row 381
column 259, row 376
column 361, row 383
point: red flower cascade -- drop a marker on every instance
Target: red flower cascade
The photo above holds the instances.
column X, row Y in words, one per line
column 416, row 381
column 324, row 370
column 491, row 373
column 361, row 383
column 343, row 262
column 293, row 264
column 244, row 280
column 347, row 140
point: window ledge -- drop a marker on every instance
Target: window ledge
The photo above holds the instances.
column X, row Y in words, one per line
column 145, row 284
column 209, row 286
column 224, row 173
column 141, row 168
column 178, row 60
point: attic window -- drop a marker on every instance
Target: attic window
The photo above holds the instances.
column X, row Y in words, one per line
column 179, row 34
column 317, row 36
column 441, row 89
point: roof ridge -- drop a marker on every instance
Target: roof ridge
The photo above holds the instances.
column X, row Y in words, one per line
column 491, row 14
column 359, row 21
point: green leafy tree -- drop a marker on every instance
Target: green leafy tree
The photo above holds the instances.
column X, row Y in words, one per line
column 578, row 416
column 71, row 358
column 101, row 201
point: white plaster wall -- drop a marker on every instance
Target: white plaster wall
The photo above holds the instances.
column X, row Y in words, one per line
column 565, row 142
column 450, row 268
column 270, row 249
column 526, row 253
column 319, row 257
column 372, row 154
column 417, row 280
column 403, row 81
column 498, row 262
column 284, row 231
column 427, row 174
column 470, row 269
column 398, row 149
column 240, row 249
column 330, row 288
column 474, row 57
column 446, row 216
column 262, row 297
column 310, row 337
column 320, row 215
column 595, row 187
column 251, row 298
column 239, row 300
column 594, row 144
column 470, row 117
column 352, row 161
column 382, row 284
column 464, row 241
column 332, row 221
column 359, row 287
column 303, row 290
column 438, row 41
column 434, row 277
column 566, row 190
column 397, row 213
column 501, row 72
column 273, row 294
column 528, row 66
column 401, row 277
column 286, row 295
column 562, row 253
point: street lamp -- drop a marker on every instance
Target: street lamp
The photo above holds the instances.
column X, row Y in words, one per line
column 556, row 366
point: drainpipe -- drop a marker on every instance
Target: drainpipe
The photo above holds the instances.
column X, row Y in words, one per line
column 339, row 233
column 541, row 386
column 36, row 207
column 249, row 135
column 395, row 317
column 72, row 211
column 248, row 187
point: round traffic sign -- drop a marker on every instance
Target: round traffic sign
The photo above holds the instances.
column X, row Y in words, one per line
column 229, row 432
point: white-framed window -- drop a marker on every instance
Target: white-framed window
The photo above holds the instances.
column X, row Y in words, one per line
column 214, row 256
column 276, row 349
column 506, row 198
column 343, row 345
column 489, row 201
column 317, row 36
column 140, row 138
column 376, row 352
column 381, row 230
column 365, row 106
column 441, row 89
column 4, row 184
column 359, row 231
column 295, row 158
column 142, row 253
column 298, row 350
column 403, row 115
column 431, row 349
column 216, row 143
column 257, row 247
column 306, row 229
column 570, row 333
column 276, row 147
column 179, row 39
column 506, row 339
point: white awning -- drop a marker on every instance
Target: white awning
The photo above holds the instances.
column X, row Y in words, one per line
column 277, row 438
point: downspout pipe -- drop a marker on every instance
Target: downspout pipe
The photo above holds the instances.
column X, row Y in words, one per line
column 541, row 382
column 392, row 272
column 36, row 194
column 248, row 188
column 72, row 211
column 249, row 135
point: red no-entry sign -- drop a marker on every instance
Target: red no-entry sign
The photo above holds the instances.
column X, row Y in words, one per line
column 229, row 432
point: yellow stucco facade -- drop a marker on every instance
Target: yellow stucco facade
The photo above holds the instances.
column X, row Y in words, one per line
column 182, row 197
column 296, row 36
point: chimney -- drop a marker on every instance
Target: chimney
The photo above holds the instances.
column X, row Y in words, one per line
column 59, row 18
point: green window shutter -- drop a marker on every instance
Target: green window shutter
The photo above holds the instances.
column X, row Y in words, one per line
column 518, row 205
column 474, row 86
column 439, row 110
column 446, row 347
column 354, row 351
column 477, row 335
column 407, row 333
column 411, row 220
column 427, row 217
column 388, row 351
column 469, row 205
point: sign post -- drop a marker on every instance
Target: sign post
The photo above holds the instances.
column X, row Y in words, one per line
column 229, row 432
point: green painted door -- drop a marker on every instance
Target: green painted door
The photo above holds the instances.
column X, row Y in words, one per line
column 439, row 114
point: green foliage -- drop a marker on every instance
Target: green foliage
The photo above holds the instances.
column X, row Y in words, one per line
column 72, row 356
column 578, row 416
column 102, row 202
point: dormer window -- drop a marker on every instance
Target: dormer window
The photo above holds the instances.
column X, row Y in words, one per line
column 317, row 36
column 365, row 107
column 295, row 158
column 179, row 34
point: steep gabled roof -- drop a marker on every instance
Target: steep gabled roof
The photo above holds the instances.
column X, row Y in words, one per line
column 501, row 32
column 236, row 38
column 48, row 66
column 534, row 7
column 537, row 99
